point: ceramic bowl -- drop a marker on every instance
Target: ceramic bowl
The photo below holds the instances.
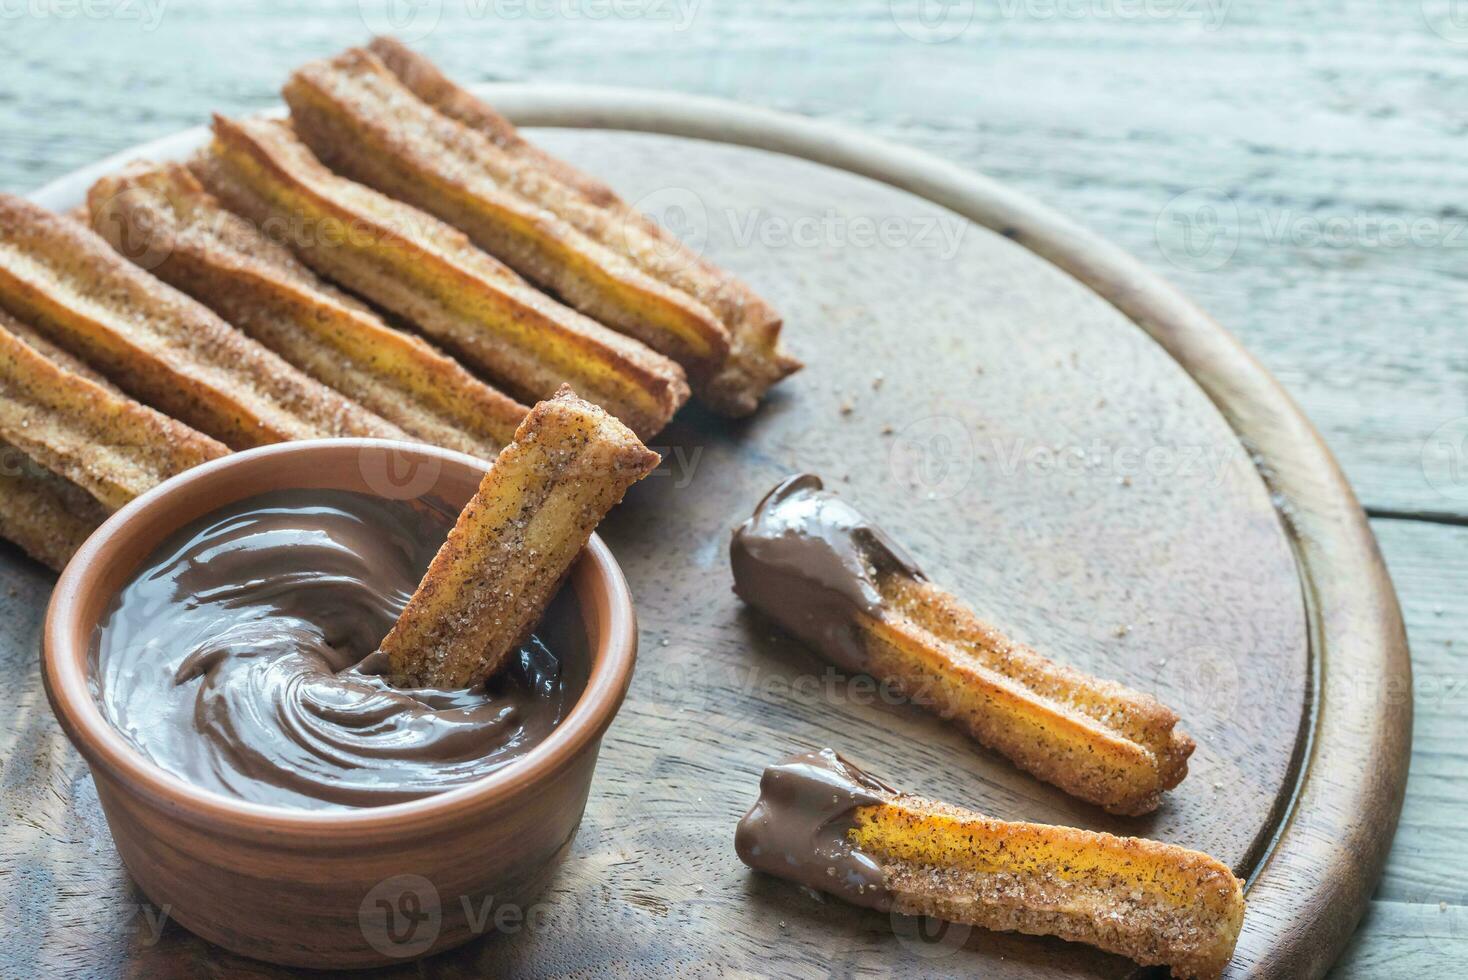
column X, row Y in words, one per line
column 342, row 888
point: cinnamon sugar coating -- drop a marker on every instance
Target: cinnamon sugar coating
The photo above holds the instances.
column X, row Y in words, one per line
column 756, row 359
column 515, row 541
column 228, row 264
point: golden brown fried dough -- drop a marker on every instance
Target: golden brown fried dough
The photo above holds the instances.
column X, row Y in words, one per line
column 419, row 268
column 57, row 355
column 157, row 344
column 513, row 544
column 47, row 516
column 1093, row 738
column 362, row 122
column 822, row 821
column 102, row 441
column 226, row 263
column 756, row 360
column 815, row 565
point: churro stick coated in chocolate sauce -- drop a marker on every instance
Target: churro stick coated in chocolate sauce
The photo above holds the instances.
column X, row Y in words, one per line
column 513, row 544
column 824, row 823
column 814, row 564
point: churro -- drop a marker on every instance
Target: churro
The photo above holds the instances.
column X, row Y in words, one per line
column 98, row 439
column 814, row 564
column 514, row 542
column 47, row 516
column 826, row 824
column 157, row 344
column 228, row 264
column 419, row 268
column 756, row 360
column 363, row 123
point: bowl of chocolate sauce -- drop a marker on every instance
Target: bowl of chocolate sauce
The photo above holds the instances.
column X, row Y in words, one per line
column 212, row 653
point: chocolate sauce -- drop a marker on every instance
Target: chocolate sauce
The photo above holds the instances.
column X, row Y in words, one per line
column 240, row 657
column 797, row 829
column 809, row 560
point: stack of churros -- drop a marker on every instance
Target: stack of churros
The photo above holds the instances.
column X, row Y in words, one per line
column 157, row 344
column 73, row 447
column 388, row 119
column 227, row 264
column 420, row 269
column 394, row 261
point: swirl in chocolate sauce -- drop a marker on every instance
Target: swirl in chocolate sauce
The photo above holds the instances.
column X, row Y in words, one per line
column 240, row 657
column 809, row 560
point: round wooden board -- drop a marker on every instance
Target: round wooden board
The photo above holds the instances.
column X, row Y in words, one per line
column 1063, row 441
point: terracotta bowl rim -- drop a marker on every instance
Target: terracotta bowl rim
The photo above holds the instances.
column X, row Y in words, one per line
column 66, row 654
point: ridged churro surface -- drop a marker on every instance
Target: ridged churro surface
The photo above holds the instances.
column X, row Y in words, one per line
column 813, row 563
column 756, row 359
column 419, row 268
column 228, row 264
column 160, row 346
column 47, row 516
column 513, row 544
column 98, row 439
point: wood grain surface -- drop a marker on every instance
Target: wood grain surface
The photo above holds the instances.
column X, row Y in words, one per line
column 1299, row 114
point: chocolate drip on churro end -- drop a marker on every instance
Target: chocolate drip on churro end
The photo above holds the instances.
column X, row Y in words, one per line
column 810, row 560
column 797, row 829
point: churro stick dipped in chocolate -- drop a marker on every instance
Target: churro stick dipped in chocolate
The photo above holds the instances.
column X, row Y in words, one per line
column 229, row 265
column 814, row 564
column 824, row 823
column 157, row 344
column 513, row 544
column 419, row 268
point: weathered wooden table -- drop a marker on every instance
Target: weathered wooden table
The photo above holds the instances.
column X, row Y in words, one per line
column 1291, row 170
